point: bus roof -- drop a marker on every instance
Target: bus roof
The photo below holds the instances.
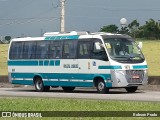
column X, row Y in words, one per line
column 70, row 36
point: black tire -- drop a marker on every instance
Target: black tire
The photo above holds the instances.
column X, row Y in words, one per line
column 39, row 86
column 101, row 87
column 68, row 89
column 54, row 86
column 131, row 89
column 46, row 88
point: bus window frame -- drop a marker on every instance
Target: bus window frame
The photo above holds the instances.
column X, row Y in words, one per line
column 78, row 47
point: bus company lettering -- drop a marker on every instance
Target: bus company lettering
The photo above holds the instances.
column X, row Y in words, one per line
column 70, row 65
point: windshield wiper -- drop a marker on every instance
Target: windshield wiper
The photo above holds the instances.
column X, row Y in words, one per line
column 132, row 56
column 120, row 58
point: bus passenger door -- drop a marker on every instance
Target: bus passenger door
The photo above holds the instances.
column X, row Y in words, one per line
column 84, row 48
column 70, row 61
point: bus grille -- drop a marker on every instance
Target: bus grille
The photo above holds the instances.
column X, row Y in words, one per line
column 134, row 76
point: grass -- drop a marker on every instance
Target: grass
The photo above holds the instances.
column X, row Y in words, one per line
column 150, row 49
column 52, row 104
column 55, row 104
column 3, row 59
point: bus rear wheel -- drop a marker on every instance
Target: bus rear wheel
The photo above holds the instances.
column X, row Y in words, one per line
column 101, row 87
column 39, row 86
column 131, row 89
column 68, row 89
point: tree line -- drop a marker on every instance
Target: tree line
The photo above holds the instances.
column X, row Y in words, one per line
column 150, row 30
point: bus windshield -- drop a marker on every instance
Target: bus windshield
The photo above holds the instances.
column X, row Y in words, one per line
column 123, row 50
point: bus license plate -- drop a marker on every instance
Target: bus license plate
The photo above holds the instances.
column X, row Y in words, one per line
column 135, row 77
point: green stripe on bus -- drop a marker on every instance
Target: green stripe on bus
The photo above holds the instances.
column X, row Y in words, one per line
column 34, row 63
column 140, row 66
column 109, row 67
column 74, row 37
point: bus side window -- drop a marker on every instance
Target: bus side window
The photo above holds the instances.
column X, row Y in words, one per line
column 55, row 51
column 84, row 49
column 52, row 52
column 16, row 51
column 29, row 50
column 12, row 51
column 42, row 50
column 58, row 52
column 69, row 49
column 98, row 53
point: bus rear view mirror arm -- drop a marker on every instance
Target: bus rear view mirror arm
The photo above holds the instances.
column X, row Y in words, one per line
column 99, row 46
column 140, row 45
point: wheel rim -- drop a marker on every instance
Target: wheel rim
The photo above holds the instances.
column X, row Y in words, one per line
column 100, row 86
column 38, row 84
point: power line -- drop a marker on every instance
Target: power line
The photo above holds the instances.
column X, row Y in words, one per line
column 8, row 19
column 119, row 9
column 27, row 21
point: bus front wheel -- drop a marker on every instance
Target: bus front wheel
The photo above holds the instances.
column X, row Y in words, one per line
column 39, row 86
column 68, row 89
column 131, row 89
column 101, row 87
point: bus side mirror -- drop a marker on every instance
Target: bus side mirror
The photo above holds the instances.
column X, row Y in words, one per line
column 98, row 46
column 140, row 44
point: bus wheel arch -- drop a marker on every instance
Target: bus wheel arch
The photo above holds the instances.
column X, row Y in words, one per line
column 99, row 83
column 39, row 85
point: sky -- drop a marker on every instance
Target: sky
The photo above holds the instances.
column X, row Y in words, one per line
column 35, row 17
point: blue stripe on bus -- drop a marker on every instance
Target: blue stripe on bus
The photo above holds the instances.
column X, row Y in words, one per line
column 46, row 62
column 61, row 76
column 57, row 63
column 22, row 63
column 40, row 63
column 65, row 76
column 70, row 37
column 58, row 83
column 109, row 67
column 34, row 63
column 68, row 83
column 23, row 82
column 52, row 63
column 140, row 66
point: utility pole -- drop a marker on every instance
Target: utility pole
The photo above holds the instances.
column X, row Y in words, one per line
column 62, row 24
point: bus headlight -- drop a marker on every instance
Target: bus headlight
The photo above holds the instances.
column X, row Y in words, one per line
column 146, row 72
column 120, row 72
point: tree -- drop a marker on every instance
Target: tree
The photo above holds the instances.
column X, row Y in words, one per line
column 150, row 30
column 124, row 30
column 5, row 39
column 133, row 26
column 109, row 28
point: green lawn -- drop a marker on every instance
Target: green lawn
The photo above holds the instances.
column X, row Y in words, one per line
column 3, row 59
column 151, row 49
column 54, row 104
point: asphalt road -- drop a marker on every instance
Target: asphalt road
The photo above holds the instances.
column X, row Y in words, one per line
column 115, row 94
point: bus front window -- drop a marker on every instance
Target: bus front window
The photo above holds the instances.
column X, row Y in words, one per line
column 123, row 50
